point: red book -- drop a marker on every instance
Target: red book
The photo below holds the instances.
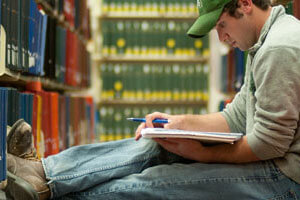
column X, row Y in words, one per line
column 34, row 119
column 62, row 123
column 296, row 7
column 45, row 123
column 71, row 59
column 36, row 88
column 69, row 12
column 53, row 141
column 91, row 118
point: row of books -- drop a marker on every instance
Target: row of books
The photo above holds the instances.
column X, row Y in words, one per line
column 141, row 7
column 75, row 12
column 154, row 81
column 25, row 28
column 69, row 62
column 36, row 45
column 114, row 124
column 58, row 121
column 150, row 37
column 233, row 70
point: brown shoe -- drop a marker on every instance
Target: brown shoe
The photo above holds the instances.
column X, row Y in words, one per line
column 26, row 177
column 20, row 140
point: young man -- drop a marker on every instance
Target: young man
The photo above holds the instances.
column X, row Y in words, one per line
column 264, row 164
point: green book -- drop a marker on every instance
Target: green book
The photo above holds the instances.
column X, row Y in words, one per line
column 147, row 81
column 118, row 124
column 205, row 83
column 167, row 84
column 127, row 125
column 128, row 38
column 176, row 82
column 120, row 37
column 198, row 78
column 114, row 35
column 111, row 124
column 106, row 36
column 117, row 81
column 145, row 38
column 171, row 38
column 136, row 37
column 189, row 82
column 125, row 81
column 105, row 6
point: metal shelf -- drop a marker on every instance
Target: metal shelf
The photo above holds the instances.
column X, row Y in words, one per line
column 153, row 103
column 17, row 78
column 150, row 59
column 147, row 16
column 60, row 19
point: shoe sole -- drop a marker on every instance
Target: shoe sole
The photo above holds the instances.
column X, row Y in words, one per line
column 18, row 189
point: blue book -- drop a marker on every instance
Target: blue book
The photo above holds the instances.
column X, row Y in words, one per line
column 38, row 45
column 30, row 108
column 43, row 42
column 239, row 69
column 22, row 106
column 3, row 124
column 32, row 38
column 224, row 71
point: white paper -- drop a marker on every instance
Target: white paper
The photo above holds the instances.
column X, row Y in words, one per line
column 208, row 137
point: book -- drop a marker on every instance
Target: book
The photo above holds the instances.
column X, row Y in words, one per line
column 205, row 137
column 3, row 124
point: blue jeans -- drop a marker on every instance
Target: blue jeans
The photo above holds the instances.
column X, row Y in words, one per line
column 127, row 169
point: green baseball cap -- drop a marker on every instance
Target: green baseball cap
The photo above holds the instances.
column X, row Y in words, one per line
column 209, row 13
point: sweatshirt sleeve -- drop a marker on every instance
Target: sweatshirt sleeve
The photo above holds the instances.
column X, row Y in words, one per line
column 235, row 112
column 277, row 81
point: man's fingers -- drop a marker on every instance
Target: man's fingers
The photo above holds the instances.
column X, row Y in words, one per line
column 138, row 134
column 155, row 115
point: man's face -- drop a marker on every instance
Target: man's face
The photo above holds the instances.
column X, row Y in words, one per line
column 237, row 32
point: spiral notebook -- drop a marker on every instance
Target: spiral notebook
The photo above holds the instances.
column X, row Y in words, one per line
column 206, row 137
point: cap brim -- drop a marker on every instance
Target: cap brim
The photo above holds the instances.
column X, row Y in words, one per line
column 204, row 24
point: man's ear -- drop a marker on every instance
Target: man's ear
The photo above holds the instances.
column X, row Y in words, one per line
column 246, row 6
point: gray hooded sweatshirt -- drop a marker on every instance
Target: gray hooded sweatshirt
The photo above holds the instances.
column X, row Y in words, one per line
column 267, row 109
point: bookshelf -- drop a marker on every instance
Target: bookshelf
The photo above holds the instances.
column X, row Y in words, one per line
column 149, row 103
column 42, row 79
column 140, row 47
column 149, row 59
column 158, row 16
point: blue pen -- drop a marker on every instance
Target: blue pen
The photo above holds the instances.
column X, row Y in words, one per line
column 160, row 121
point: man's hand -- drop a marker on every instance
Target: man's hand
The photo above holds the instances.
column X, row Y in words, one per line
column 175, row 122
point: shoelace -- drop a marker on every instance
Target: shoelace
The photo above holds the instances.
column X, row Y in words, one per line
column 32, row 155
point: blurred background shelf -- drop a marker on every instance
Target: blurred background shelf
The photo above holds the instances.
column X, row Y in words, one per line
column 150, row 59
column 152, row 103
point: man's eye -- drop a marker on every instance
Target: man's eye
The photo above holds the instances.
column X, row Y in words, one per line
column 221, row 25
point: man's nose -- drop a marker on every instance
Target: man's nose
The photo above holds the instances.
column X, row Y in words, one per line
column 223, row 37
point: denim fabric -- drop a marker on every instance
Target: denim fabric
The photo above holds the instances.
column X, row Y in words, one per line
column 127, row 169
